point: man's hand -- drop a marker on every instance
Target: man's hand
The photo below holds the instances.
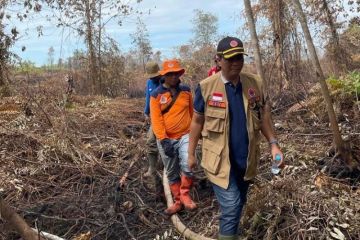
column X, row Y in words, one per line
column 192, row 161
column 276, row 150
column 168, row 147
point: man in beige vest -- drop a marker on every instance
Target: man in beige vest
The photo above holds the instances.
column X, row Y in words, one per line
column 229, row 114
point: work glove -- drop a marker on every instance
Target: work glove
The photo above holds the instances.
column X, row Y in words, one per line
column 168, row 147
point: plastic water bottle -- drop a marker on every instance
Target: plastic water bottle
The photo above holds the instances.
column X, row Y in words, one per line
column 275, row 165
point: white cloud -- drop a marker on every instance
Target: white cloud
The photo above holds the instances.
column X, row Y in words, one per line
column 169, row 25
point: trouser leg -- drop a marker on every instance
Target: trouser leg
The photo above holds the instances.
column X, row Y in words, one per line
column 152, row 152
column 231, row 201
column 187, row 176
column 171, row 165
column 172, row 170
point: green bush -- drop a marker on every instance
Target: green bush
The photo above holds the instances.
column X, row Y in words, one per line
column 352, row 83
column 334, row 83
column 349, row 83
column 28, row 67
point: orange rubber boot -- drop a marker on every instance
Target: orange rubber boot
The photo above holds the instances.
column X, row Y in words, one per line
column 176, row 207
column 186, row 183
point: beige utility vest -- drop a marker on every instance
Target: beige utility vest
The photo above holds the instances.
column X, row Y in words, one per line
column 215, row 133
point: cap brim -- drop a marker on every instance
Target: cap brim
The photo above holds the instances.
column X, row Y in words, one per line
column 232, row 54
column 180, row 70
column 152, row 75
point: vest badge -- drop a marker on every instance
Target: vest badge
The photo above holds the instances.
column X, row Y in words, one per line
column 251, row 93
column 163, row 99
column 217, row 97
column 217, row 104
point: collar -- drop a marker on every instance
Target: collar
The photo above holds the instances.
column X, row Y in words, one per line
column 225, row 81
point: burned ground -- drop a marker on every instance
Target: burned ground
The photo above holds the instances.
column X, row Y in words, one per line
column 60, row 169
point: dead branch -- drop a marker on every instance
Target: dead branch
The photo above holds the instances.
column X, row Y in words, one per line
column 48, row 235
column 41, row 108
column 184, row 230
column 126, row 227
column 126, row 174
column 270, row 231
column 17, row 222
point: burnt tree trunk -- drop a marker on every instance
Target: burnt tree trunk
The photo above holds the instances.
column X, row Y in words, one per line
column 89, row 5
column 339, row 59
column 340, row 146
column 279, row 36
column 255, row 42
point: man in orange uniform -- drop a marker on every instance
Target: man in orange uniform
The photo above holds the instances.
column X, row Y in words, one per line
column 171, row 111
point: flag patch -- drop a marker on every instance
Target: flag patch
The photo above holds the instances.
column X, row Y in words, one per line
column 217, row 96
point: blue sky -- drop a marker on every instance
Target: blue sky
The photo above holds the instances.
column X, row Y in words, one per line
column 169, row 25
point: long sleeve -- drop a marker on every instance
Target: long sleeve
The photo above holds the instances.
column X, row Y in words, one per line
column 157, row 120
column 147, row 99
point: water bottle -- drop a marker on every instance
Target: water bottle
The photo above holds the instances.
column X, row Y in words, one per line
column 275, row 165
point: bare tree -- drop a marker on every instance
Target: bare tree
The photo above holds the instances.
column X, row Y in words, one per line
column 90, row 8
column 8, row 38
column 201, row 49
column 205, row 27
column 157, row 57
column 142, row 42
column 5, row 43
column 255, row 41
column 88, row 18
column 326, row 13
column 341, row 147
column 280, row 32
column 51, row 53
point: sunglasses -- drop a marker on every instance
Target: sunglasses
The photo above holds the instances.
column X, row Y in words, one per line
column 236, row 58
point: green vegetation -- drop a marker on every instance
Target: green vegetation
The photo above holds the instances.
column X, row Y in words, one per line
column 28, row 67
column 349, row 83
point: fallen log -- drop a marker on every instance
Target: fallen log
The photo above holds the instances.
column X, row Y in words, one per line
column 17, row 222
column 183, row 229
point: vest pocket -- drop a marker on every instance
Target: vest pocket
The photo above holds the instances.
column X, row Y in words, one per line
column 215, row 120
column 211, row 156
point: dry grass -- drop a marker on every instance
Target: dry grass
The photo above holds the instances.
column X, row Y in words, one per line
column 60, row 169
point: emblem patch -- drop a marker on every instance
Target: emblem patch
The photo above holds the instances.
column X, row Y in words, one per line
column 233, row 43
column 163, row 99
column 251, row 93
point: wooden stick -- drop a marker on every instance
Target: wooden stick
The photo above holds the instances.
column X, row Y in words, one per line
column 48, row 236
column 184, row 230
column 17, row 222
column 126, row 174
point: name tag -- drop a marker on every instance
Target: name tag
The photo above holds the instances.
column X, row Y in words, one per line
column 219, row 104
